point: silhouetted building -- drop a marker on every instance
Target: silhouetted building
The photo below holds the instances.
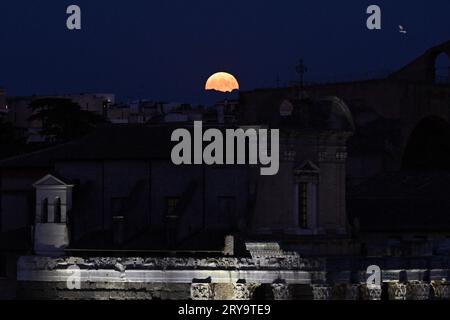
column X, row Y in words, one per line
column 388, row 111
column 114, row 207
column 19, row 111
column 3, row 106
column 118, row 189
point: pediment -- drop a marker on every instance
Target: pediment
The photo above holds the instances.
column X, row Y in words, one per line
column 307, row 167
column 50, row 181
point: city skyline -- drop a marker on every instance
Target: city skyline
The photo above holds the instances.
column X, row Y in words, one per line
column 168, row 51
column 203, row 151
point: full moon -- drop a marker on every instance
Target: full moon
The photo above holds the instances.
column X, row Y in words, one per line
column 223, row 82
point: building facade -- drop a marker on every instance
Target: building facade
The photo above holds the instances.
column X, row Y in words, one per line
column 110, row 216
column 118, row 190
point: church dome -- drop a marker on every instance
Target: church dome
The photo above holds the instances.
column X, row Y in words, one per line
column 336, row 115
column 324, row 114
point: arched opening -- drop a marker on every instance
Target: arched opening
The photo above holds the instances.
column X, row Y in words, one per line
column 57, row 210
column 442, row 69
column 44, row 211
column 428, row 146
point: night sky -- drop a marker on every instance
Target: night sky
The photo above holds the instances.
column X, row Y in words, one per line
column 166, row 49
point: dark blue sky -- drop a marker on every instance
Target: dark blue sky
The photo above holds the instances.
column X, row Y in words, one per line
column 166, row 49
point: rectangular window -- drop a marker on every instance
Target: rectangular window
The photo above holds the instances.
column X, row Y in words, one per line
column 117, row 205
column 303, row 205
column 171, row 206
column 2, row 266
column 172, row 216
column 227, row 209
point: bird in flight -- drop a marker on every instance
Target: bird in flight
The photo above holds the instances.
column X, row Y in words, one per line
column 402, row 29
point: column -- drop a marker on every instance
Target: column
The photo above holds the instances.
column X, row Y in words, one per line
column 441, row 290
column 322, row 292
column 418, row 290
column 370, row 292
column 352, row 292
column 244, row 291
column 202, row 291
column 397, row 291
column 229, row 246
column 346, row 292
column 281, row 291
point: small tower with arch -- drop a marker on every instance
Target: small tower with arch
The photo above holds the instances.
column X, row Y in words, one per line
column 53, row 202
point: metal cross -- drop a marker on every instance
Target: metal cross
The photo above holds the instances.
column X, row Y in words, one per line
column 301, row 70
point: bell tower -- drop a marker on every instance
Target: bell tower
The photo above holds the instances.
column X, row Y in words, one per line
column 53, row 202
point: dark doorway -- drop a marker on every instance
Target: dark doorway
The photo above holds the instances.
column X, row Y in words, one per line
column 428, row 146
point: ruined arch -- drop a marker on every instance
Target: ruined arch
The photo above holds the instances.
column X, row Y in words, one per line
column 442, row 68
column 423, row 68
column 428, row 146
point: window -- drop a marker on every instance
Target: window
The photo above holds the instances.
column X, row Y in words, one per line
column 117, row 205
column 171, row 206
column 57, row 208
column 305, row 195
column 172, row 215
column 44, row 211
column 118, row 229
column 303, row 205
column 3, row 266
column 227, row 208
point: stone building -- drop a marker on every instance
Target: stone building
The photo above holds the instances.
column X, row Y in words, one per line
column 111, row 217
column 2, row 100
column 391, row 114
column 117, row 189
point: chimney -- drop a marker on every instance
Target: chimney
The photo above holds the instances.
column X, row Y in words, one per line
column 229, row 246
column 118, row 230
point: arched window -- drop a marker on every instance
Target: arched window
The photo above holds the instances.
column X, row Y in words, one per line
column 442, row 69
column 57, row 208
column 44, row 211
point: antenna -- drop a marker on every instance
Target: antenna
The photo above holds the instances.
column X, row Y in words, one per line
column 301, row 70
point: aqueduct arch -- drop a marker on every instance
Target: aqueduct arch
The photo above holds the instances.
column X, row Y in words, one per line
column 442, row 69
column 423, row 69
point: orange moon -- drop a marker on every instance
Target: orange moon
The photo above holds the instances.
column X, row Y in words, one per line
column 223, row 82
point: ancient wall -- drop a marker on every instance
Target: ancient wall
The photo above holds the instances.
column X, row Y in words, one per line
column 104, row 291
column 231, row 278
